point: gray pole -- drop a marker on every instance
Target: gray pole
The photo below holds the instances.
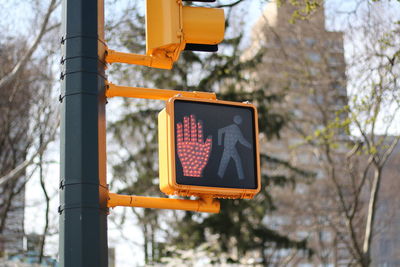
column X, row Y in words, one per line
column 83, row 190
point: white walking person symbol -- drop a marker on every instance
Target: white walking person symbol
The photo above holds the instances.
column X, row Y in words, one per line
column 233, row 135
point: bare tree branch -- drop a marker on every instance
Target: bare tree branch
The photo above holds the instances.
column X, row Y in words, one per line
column 20, row 65
column 19, row 170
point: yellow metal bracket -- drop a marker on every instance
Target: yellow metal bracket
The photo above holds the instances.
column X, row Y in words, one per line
column 206, row 204
column 161, row 61
column 150, row 93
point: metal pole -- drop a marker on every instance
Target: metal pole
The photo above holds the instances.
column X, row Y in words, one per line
column 83, row 189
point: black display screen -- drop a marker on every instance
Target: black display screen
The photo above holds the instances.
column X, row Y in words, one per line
column 215, row 145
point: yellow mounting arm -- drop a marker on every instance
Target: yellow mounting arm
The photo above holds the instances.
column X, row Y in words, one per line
column 200, row 205
column 149, row 93
column 205, row 204
column 161, row 62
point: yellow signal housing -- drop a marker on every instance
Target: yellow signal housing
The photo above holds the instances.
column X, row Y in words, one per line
column 163, row 30
column 170, row 26
column 203, row 25
column 208, row 184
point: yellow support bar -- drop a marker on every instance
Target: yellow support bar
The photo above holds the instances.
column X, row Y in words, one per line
column 160, row 61
column 150, row 93
column 200, row 205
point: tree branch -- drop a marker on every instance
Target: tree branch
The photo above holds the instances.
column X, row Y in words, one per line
column 9, row 77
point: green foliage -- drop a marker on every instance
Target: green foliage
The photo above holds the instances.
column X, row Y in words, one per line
column 302, row 9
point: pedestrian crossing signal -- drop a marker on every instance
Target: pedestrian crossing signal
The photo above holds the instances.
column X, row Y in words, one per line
column 209, row 148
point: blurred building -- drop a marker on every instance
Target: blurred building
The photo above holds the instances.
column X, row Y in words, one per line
column 386, row 243
column 111, row 257
column 15, row 123
column 304, row 63
column 12, row 234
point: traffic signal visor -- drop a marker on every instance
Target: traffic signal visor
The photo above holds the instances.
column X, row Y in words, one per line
column 209, row 148
column 170, row 26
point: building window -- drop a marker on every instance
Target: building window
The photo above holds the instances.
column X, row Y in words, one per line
column 298, row 113
column 333, row 61
column 334, row 73
column 314, row 71
column 325, row 236
column 339, row 89
column 294, row 84
column 310, row 42
column 292, row 41
column 314, row 57
column 384, row 247
column 338, row 46
column 319, row 99
column 320, row 174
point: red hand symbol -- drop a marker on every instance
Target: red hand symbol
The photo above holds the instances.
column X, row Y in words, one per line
column 192, row 151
